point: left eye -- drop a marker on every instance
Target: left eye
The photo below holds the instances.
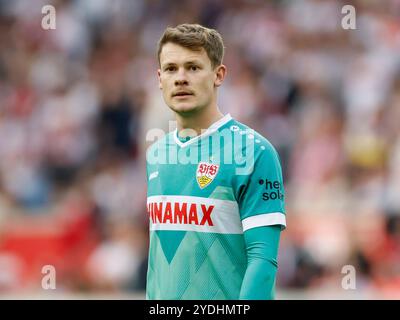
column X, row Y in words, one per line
column 193, row 68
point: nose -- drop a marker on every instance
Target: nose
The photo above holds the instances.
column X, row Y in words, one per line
column 181, row 78
column 182, row 82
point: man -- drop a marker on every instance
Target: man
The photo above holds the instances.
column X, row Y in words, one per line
column 215, row 215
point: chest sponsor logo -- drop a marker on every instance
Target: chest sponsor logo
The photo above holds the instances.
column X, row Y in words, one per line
column 188, row 213
column 206, row 173
column 180, row 213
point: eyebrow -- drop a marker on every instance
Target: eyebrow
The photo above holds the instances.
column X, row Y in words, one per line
column 186, row 63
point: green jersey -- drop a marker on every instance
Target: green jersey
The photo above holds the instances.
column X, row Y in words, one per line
column 203, row 194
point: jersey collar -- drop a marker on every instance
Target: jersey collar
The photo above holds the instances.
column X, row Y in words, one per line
column 214, row 127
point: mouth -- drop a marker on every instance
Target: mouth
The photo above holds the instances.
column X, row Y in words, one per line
column 182, row 94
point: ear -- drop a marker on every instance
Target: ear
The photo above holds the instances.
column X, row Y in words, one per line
column 220, row 74
column 159, row 78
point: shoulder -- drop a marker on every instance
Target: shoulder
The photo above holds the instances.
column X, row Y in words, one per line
column 253, row 140
column 160, row 144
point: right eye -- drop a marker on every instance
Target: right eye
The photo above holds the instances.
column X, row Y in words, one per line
column 170, row 68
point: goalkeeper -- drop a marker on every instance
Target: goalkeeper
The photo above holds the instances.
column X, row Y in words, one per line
column 215, row 189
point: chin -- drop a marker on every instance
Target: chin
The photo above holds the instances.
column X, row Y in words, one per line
column 184, row 108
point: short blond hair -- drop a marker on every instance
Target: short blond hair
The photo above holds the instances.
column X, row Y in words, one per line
column 194, row 37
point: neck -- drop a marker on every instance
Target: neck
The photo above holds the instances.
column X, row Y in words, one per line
column 197, row 122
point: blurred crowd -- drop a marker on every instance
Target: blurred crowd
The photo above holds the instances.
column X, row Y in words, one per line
column 76, row 104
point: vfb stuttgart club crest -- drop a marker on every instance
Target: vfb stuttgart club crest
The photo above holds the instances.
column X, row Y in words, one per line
column 206, row 173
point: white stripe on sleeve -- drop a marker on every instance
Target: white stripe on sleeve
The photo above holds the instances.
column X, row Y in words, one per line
column 267, row 219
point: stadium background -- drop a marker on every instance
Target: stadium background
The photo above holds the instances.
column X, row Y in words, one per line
column 76, row 103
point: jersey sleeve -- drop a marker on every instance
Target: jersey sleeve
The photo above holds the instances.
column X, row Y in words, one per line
column 262, row 198
column 262, row 250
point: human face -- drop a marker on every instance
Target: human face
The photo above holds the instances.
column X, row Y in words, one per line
column 187, row 79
